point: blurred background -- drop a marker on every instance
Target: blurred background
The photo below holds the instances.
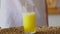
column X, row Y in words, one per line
column 53, row 7
column 53, row 12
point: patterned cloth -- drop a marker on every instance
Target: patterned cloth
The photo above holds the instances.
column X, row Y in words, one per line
column 40, row 30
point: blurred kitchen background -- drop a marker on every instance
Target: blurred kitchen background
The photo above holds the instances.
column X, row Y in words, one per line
column 54, row 12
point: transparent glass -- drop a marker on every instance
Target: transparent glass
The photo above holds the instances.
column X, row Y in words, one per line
column 29, row 19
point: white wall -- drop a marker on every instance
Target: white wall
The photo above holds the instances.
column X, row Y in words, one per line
column 54, row 20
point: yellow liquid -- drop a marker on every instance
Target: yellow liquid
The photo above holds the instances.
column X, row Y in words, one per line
column 29, row 22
